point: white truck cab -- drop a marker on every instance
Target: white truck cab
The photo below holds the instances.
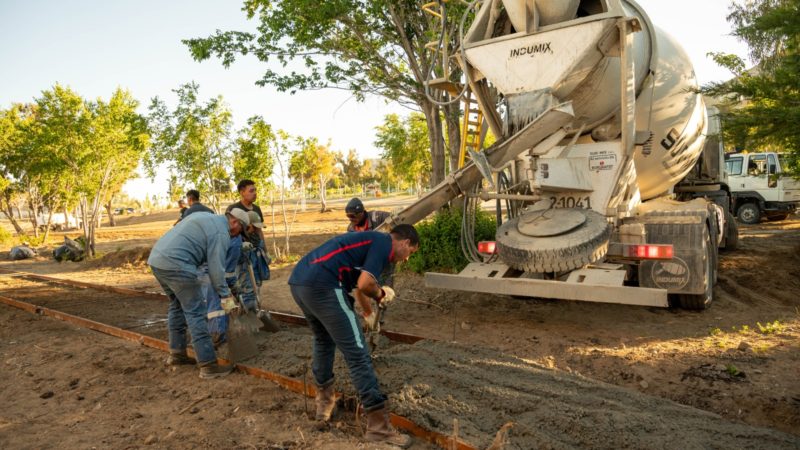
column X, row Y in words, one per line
column 761, row 186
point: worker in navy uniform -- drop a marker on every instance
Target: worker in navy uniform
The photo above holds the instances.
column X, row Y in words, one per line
column 321, row 285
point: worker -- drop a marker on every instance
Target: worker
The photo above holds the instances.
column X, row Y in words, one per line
column 321, row 284
column 203, row 238
column 362, row 220
column 247, row 197
column 182, row 210
column 193, row 199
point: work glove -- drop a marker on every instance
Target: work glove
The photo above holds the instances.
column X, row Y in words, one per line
column 247, row 246
column 388, row 296
column 228, row 304
column 371, row 321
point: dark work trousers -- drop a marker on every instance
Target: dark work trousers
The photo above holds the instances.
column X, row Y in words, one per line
column 331, row 317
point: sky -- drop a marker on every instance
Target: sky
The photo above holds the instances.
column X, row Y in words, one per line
column 96, row 46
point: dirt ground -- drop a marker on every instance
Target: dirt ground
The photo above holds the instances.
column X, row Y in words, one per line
column 720, row 361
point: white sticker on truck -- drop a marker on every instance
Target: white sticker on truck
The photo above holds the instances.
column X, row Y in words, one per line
column 602, row 160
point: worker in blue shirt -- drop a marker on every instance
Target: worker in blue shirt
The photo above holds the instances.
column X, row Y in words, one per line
column 321, row 284
column 202, row 238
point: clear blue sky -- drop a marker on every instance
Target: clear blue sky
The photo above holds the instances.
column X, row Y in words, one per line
column 94, row 46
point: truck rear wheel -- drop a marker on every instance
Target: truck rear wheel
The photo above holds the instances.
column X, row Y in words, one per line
column 702, row 301
column 731, row 232
column 749, row 213
column 564, row 249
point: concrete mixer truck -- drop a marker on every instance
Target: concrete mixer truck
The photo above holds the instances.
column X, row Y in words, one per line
column 608, row 178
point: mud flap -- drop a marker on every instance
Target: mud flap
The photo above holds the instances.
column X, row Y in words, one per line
column 685, row 272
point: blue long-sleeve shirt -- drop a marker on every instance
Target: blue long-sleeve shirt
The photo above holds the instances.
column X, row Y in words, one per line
column 200, row 238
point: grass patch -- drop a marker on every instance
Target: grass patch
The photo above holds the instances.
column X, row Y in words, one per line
column 770, row 327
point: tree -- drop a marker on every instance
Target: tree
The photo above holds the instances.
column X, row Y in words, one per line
column 313, row 161
column 195, row 140
column 352, row 168
column 15, row 140
column 119, row 140
column 404, row 143
column 63, row 149
column 255, row 159
column 372, row 47
column 761, row 106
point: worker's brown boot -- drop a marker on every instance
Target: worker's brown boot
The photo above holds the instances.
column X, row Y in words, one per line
column 179, row 359
column 326, row 402
column 379, row 430
column 214, row 370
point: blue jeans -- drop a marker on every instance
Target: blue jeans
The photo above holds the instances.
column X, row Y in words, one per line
column 187, row 309
column 331, row 317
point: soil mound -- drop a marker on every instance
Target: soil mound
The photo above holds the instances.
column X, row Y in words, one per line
column 136, row 256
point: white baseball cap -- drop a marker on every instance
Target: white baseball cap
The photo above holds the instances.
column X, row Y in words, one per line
column 255, row 219
column 241, row 216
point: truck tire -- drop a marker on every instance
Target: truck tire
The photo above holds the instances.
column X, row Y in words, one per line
column 702, row 301
column 572, row 250
column 731, row 232
column 749, row 213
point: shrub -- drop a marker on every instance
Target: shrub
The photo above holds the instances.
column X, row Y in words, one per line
column 440, row 241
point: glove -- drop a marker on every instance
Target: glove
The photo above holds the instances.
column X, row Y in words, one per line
column 228, row 304
column 371, row 321
column 247, row 246
column 388, row 296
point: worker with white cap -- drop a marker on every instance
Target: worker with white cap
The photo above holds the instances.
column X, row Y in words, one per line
column 202, row 238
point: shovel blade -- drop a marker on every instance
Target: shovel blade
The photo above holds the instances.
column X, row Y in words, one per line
column 268, row 324
column 241, row 337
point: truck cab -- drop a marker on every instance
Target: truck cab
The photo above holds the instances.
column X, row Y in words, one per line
column 761, row 186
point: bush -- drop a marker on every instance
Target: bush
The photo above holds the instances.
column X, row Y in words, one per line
column 5, row 236
column 440, row 241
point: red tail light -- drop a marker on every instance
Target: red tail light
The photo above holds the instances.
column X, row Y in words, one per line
column 487, row 247
column 648, row 251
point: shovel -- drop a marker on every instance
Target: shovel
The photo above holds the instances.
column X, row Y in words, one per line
column 242, row 328
column 263, row 316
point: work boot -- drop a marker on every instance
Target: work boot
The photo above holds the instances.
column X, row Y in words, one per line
column 179, row 359
column 379, row 430
column 214, row 370
column 326, row 402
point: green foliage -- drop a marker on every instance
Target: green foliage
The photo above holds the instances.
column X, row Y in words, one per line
column 760, row 106
column 715, row 332
column 375, row 47
column 770, row 327
column 5, row 236
column 405, row 143
column 440, row 241
column 732, row 370
column 62, row 148
column 255, row 157
column 313, row 163
column 195, row 140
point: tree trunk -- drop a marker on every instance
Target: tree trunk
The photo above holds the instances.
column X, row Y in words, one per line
column 452, row 114
column 47, row 225
column 111, row 221
column 303, row 205
column 272, row 213
column 8, row 210
column 434, row 122
column 323, row 204
column 33, row 213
